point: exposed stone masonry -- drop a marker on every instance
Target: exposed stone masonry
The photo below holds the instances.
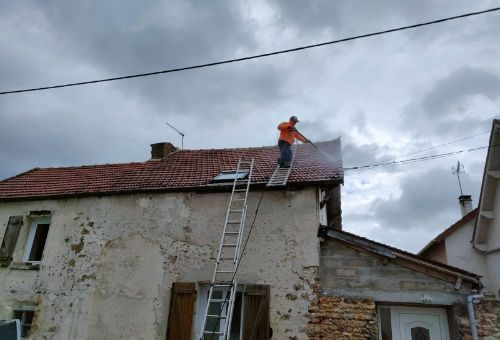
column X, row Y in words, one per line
column 342, row 318
column 487, row 314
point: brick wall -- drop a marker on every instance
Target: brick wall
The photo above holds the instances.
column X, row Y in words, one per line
column 342, row 318
column 488, row 321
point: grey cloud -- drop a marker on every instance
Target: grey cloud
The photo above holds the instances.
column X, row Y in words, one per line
column 443, row 113
column 358, row 16
column 452, row 91
column 428, row 200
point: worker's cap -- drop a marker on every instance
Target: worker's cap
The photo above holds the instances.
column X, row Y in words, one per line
column 294, row 118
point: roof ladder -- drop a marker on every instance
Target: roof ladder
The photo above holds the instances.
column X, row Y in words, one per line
column 280, row 175
column 219, row 310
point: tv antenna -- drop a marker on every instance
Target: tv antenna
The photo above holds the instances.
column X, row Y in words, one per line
column 180, row 133
column 459, row 169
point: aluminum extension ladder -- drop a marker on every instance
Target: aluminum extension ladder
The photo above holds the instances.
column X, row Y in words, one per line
column 280, row 175
column 219, row 311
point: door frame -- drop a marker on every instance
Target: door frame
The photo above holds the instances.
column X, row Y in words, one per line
column 416, row 310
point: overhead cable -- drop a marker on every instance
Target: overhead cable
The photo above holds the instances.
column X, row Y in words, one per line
column 437, row 146
column 420, row 159
column 295, row 49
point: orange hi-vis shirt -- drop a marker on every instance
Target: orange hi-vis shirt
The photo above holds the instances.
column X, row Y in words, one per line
column 287, row 135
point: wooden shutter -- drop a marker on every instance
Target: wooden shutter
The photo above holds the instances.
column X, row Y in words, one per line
column 256, row 313
column 180, row 317
column 9, row 240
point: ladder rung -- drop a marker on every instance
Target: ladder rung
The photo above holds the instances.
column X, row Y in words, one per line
column 229, row 244
column 238, row 199
column 236, row 210
column 226, row 258
column 216, row 316
column 240, row 190
column 232, row 233
column 233, row 222
column 225, row 271
column 215, row 333
column 222, row 285
column 219, row 300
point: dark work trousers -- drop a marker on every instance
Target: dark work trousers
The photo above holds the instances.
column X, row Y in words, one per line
column 285, row 152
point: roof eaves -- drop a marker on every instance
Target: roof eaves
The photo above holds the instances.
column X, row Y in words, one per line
column 201, row 188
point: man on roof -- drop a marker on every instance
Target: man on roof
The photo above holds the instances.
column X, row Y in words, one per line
column 288, row 134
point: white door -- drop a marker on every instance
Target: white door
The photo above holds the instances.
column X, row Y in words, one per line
column 414, row 323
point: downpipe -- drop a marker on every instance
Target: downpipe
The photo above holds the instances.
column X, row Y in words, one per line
column 470, row 313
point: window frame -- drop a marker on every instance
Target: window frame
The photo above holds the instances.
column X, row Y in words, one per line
column 201, row 304
column 31, row 237
column 323, row 216
column 23, row 310
column 238, row 175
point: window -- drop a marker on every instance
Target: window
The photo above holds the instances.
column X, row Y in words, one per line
column 250, row 314
column 230, row 175
column 322, row 208
column 36, row 240
column 25, row 317
column 218, row 326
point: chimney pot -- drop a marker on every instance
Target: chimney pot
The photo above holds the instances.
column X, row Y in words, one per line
column 162, row 150
column 465, row 202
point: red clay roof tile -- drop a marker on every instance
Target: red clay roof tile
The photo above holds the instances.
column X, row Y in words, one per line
column 181, row 170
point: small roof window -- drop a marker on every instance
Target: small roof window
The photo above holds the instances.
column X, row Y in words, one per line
column 226, row 176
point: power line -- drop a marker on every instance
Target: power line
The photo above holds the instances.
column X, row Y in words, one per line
column 420, row 159
column 254, row 56
column 437, row 146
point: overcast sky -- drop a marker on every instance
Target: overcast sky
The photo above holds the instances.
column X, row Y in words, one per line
column 385, row 96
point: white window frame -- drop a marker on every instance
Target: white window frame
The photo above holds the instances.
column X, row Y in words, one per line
column 31, row 238
column 323, row 220
column 230, row 175
column 201, row 305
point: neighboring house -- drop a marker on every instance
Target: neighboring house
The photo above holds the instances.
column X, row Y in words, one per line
column 126, row 251
column 373, row 291
column 473, row 242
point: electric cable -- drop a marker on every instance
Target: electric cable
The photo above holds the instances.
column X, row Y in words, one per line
column 227, row 61
column 238, row 264
column 419, row 159
column 435, row 147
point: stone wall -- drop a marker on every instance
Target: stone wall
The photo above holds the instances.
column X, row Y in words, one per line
column 342, row 318
column 487, row 314
column 109, row 262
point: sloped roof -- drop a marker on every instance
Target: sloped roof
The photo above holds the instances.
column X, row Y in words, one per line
column 402, row 257
column 471, row 215
column 182, row 170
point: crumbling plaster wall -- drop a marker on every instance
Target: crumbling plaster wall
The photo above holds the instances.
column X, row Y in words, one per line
column 109, row 262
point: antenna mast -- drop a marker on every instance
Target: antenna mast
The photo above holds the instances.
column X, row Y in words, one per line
column 459, row 169
column 180, row 133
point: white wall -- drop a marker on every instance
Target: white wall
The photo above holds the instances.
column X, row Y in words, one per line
column 109, row 262
column 461, row 254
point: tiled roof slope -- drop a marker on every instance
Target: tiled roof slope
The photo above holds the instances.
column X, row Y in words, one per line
column 181, row 171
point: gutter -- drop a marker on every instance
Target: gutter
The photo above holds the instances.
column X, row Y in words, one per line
column 470, row 313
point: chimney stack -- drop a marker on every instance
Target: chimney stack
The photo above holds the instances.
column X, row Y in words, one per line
column 162, row 150
column 465, row 202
